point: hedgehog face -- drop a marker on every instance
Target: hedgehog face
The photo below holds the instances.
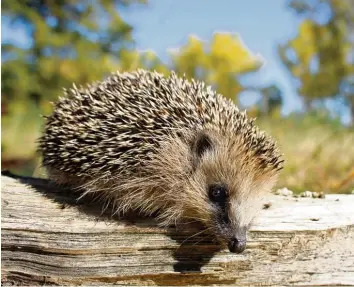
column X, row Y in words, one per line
column 230, row 186
column 211, row 177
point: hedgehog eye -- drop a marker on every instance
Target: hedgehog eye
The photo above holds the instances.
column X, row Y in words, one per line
column 218, row 194
column 202, row 144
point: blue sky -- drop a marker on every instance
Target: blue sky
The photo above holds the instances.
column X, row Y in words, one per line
column 166, row 24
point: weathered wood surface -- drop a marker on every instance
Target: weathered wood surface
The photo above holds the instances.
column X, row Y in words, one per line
column 48, row 238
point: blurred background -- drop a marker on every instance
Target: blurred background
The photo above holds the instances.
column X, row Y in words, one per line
column 289, row 63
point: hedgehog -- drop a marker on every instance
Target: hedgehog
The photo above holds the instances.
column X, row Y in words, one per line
column 162, row 145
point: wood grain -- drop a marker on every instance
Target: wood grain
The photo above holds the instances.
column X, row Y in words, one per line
column 50, row 238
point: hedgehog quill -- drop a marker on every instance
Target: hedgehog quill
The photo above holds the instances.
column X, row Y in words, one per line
column 166, row 145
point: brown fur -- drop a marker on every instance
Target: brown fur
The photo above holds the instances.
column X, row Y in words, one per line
column 169, row 186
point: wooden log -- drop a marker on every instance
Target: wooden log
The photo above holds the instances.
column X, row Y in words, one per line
column 50, row 238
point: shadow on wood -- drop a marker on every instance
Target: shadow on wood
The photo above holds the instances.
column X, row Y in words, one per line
column 48, row 237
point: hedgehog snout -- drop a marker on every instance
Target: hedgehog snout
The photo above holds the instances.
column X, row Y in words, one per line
column 235, row 240
column 236, row 245
column 235, row 237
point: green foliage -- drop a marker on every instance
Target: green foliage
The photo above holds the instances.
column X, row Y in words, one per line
column 67, row 45
column 319, row 56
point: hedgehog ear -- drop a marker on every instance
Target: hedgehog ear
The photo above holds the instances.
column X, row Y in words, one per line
column 202, row 144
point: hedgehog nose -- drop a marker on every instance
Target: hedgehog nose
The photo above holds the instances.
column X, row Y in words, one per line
column 237, row 246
